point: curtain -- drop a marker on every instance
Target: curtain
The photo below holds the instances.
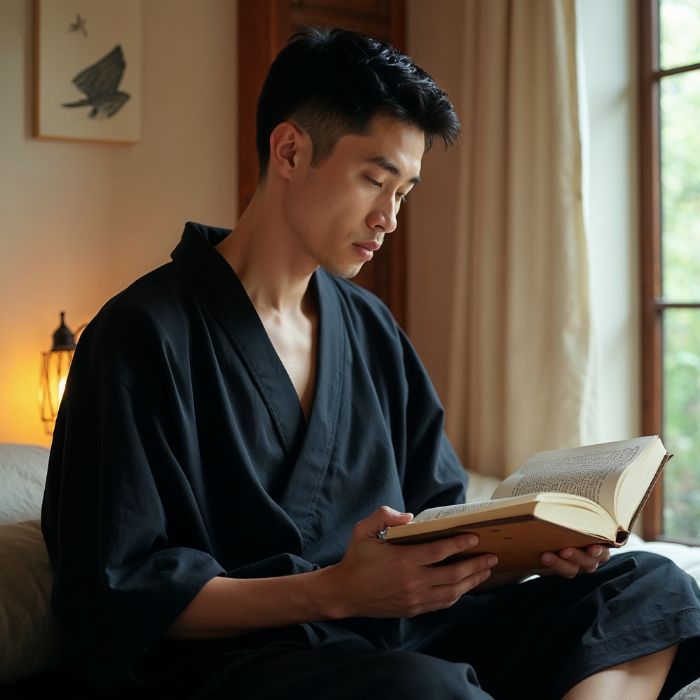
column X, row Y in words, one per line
column 520, row 359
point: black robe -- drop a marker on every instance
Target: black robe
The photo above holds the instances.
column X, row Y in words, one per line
column 181, row 453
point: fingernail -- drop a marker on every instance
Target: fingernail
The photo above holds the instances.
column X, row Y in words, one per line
column 471, row 540
column 566, row 554
column 492, row 560
column 547, row 558
column 596, row 551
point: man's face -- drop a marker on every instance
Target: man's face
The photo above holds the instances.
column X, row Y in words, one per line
column 341, row 209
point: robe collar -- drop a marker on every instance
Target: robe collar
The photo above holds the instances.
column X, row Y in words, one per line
column 307, row 444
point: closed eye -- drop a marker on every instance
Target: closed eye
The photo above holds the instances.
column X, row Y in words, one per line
column 375, row 183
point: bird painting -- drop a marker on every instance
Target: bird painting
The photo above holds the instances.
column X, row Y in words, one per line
column 100, row 85
column 78, row 25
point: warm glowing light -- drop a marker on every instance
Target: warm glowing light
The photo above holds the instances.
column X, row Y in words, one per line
column 61, row 387
column 54, row 373
column 53, row 383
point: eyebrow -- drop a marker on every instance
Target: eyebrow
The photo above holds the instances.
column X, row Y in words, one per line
column 384, row 163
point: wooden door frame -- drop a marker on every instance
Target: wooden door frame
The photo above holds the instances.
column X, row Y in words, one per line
column 263, row 27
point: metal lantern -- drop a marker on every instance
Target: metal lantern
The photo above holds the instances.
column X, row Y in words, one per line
column 54, row 372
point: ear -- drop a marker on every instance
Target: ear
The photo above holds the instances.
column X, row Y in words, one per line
column 288, row 146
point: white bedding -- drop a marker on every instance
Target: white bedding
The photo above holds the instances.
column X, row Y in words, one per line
column 22, row 475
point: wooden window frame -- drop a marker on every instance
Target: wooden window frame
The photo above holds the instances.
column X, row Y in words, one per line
column 653, row 303
column 650, row 239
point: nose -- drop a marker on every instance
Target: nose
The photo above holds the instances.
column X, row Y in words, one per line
column 383, row 216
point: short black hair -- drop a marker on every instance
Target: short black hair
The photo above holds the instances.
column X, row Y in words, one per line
column 332, row 82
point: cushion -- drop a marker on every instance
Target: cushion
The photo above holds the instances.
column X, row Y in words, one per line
column 22, row 477
column 690, row 692
column 29, row 640
column 685, row 556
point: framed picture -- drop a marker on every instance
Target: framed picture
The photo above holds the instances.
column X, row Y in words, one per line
column 87, row 70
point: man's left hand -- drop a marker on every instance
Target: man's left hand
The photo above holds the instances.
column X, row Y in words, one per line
column 570, row 561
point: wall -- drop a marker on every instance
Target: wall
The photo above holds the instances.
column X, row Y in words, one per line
column 55, row 204
column 185, row 167
column 82, row 220
column 607, row 49
column 431, row 225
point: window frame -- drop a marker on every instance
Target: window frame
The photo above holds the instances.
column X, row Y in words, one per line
column 653, row 304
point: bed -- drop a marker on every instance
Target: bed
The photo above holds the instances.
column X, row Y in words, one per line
column 29, row 641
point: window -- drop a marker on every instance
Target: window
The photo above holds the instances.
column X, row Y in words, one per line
column 670, row 244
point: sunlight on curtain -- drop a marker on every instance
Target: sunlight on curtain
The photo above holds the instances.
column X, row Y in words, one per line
column 520, row 360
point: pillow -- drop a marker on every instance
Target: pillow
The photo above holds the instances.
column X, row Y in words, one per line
column 22, row 477
column 29, row 640
column 685, row 556
column 690, row 692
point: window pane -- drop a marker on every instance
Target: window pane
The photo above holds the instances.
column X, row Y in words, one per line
column 680, row 186
column 679, row 29
column 681, row 431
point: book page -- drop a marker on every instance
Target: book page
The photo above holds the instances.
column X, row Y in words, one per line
column 590, row 471
column 446, row 511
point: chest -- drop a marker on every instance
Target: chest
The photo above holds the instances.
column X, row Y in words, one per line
column 296, row 343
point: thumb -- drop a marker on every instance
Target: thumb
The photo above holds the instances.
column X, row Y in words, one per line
column 382, row 518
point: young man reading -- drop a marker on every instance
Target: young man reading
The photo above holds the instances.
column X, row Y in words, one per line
column 240, row 423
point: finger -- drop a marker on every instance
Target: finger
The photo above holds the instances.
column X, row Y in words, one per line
column 449, row 594
column 580, row 558
column 600, row 553
column 455, row 573
column 444, row 596
column 559, row 566
column 439, row 550
column 382, row 518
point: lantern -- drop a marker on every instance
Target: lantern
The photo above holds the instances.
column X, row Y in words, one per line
column 54, row 372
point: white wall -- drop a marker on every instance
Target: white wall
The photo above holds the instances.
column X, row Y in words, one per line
column 55, row 206
column 185, row 167
column 79, row 220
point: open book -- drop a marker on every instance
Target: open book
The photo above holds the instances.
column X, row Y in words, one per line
column 559, row 498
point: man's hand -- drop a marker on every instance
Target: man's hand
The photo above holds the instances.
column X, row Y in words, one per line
column 376, row 579
column 570, row 561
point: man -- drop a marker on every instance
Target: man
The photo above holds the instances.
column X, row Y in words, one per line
column 241, row 423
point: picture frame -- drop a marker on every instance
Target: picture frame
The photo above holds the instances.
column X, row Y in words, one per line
column 87, row 70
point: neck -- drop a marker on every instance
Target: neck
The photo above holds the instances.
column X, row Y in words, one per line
column 270, row 266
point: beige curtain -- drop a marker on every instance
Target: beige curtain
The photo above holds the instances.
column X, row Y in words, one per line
column 520, row 360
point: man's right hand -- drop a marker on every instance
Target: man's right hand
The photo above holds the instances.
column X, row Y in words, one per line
column 377, row 579
column 374, row 579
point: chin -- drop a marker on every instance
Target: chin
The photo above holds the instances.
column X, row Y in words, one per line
column 345, row 271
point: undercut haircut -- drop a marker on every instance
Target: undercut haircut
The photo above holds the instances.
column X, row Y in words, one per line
column 333, row 82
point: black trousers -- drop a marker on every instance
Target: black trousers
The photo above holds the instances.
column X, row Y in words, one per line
column 533, row 640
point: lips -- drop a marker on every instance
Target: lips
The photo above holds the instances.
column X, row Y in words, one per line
column 372, row 246
column 367, row 249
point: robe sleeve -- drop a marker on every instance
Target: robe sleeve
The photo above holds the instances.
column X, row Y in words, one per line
column 113, row 492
